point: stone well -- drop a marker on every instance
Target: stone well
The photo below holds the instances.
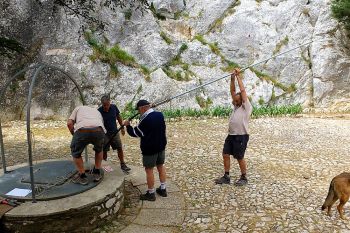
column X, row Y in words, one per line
column 82, row 212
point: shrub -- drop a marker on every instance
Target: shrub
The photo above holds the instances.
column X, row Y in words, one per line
column 341, row 11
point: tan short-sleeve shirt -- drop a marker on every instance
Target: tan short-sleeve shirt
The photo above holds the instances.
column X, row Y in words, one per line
column 86, row 117
column 238, row 124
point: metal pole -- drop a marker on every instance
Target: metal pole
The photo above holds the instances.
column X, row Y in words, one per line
column 2, row 151
column 29, row 140
column 215, row 80
column 2, row 94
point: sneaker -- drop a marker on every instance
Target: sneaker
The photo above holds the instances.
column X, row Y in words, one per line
column 125, row 168
column 97, row 175
column 223, row 180
column 80, row 179
column 161, row 192
column 242, row 181
column 148, row 196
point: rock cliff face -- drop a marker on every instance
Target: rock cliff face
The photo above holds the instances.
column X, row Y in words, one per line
column 198, row 41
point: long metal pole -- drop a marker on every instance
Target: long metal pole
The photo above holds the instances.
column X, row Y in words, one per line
column 215, row 80
column 29, row 139
column 2, row 94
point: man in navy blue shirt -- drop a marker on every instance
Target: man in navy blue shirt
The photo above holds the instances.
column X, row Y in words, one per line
column 110, row 114
column 152, row 131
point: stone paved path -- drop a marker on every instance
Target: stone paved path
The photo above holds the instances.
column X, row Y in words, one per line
column 290, row 162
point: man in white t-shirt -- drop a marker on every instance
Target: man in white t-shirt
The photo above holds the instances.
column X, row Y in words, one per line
column 238, row 137
column 86, row 126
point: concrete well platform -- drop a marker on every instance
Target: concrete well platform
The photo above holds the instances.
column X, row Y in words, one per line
column 78, row 213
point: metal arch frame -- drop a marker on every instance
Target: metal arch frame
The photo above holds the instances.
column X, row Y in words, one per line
column 38, row 68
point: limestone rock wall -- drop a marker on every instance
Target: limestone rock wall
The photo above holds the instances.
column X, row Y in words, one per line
column 197, row 42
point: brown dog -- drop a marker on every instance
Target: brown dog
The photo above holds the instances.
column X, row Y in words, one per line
column 338, row 189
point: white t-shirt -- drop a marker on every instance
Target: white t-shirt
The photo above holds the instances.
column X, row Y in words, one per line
column 238, row 124
column 86, row 117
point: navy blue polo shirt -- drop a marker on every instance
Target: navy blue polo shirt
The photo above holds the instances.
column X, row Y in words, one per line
column 110, row 118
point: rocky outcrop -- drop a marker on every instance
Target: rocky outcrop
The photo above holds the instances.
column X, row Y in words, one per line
column 197, row 42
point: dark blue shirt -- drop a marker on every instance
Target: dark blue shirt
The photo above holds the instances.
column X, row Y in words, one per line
column 109, row 118
column 152, row 131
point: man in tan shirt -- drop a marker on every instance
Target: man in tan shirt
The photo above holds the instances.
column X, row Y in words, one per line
column 238, row 137
column 86, row 126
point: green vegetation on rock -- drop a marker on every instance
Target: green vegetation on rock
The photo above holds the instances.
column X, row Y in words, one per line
column 341, row 11
column 112, row 55
column 165, row 37
column 280, row 44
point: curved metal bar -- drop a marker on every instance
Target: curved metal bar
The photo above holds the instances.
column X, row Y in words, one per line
column 72, row 79
column 2, row 93
column 79, row 90
column 29, row 139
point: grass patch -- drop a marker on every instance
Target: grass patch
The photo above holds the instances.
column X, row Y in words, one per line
column 109, row 55
column 176, row 61
column 112, row 56
column 146, row 72
column 261, row 101
column 127, row 14
column 230, row 66
column 214, row 48
column 273, row 95
column 219, row 111
column 201, row 39
column 155, row 13
column 280, row 44
column 218, row 22
column 182, row 48
column 129, row 109
column 202, row 102
column 263, row 76
column 165, row 37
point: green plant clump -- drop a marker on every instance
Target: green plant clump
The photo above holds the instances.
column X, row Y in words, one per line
column 110, row 55
column 165, row 37
column 280, row 44
column 341, row 11
column 219, row 111
column 202, row 102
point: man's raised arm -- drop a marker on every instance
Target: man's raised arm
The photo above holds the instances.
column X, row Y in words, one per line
column 238, row 75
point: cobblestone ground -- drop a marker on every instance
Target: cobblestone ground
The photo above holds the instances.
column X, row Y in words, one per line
column 291, row 162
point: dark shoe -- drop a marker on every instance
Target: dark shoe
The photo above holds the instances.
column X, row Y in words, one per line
column 148, row 196
column 242, row 181
column 223, row 180
column 80, row 179
column 161, row 192
column 96, row 173
column 125, row 168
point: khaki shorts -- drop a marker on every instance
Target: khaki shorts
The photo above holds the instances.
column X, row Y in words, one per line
column 115, row 143
column 150, row 161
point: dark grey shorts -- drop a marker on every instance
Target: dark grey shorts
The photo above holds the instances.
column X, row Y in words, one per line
column 150, row 161
column 81, row 139
column 115, row 143
column 236, row 145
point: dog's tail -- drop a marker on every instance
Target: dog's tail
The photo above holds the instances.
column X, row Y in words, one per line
column 329, row 197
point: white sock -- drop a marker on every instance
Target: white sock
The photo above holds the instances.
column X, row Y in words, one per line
column 162, row 186
column 151, row 190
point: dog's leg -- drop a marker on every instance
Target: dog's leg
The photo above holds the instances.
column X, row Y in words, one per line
column 340, row 207
column 335, row 198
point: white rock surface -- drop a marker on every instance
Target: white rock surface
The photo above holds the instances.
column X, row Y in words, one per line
column 245, row 31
